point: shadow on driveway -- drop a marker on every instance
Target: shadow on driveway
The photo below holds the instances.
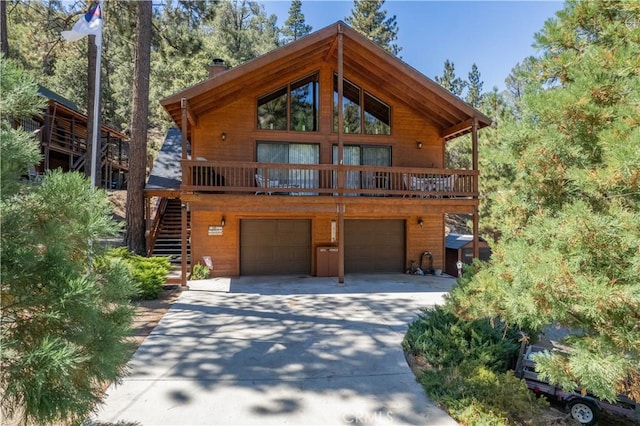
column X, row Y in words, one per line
column 281, row 350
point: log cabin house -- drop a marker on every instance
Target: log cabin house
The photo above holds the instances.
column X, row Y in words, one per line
column 324, row 157
column 62, row 133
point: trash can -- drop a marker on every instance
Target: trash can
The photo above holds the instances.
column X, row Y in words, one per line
column 327, row 261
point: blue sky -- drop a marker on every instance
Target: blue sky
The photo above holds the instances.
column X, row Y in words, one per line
column 496, row 35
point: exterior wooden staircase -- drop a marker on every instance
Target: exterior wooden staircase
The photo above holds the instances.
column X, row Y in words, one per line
column 168, row 238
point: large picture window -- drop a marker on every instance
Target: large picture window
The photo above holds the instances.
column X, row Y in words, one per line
column 376, row 115
column 272, row 110
column 364, row 155
column 299, row 99
column 289, row 153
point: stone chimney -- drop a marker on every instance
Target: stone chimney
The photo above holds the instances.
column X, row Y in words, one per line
column 217, row 66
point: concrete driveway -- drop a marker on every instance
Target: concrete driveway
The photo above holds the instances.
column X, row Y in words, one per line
column 281, row 351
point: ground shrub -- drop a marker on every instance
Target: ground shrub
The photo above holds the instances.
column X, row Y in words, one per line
column 199, row 272
column 467, row 369
column 149, row 273
column 476, row 395
column 444, row 340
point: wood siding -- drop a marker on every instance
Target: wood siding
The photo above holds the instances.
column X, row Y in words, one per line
column 225, row 249
column 421, row 113
column 238, row 121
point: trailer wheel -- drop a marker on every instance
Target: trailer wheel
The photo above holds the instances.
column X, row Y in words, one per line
column 583, row 411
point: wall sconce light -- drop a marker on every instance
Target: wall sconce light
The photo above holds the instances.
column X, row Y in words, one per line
column 421, row 222
column 223, row 136
column 419, row 144
column 222, row 222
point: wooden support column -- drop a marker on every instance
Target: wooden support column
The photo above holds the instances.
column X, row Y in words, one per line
column 341, row 206
column 183, row 221
column 147, row 213
column 474, row 143
column 45, row 137
column 73, row 134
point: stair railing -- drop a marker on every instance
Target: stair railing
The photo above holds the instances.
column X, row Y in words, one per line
column 152, row 232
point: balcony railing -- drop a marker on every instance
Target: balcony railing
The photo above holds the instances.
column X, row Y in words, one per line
column 322, row 179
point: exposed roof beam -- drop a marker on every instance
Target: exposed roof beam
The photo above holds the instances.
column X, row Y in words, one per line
column 332, row 49
column 456, row 129
column 191, row 117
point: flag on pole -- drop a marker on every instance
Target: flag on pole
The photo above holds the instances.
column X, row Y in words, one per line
column 89, row 24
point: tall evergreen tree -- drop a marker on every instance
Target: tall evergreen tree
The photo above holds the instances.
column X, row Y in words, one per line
column 4, row 37
column 135, row 237
column 520, row 77
column 449, row 80
column 369, row 19
column 570, row 248
column 64, row 325
column 295, row 26
column 243, row 31
column 474, row 88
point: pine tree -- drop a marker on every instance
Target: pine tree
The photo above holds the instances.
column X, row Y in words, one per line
column 65, row 314
column 135, row 237
column 520, row 77
column 474, row 88
column 295, row 26
column 243, row 31
column 570, row 249
column 369, row 19
column 449, row 80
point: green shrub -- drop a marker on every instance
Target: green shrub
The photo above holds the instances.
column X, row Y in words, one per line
column 476, row 395
column 149, row 273
column 199, row 272
column 444, row 340
column 468, row 362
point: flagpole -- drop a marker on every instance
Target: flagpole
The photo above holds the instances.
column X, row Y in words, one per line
column 96, row 112
column 91, row 24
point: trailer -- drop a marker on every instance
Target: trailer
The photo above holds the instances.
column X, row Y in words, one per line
column 583, row 408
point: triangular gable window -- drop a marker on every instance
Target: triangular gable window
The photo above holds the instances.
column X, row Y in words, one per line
column 376, row 115
column 294, row 107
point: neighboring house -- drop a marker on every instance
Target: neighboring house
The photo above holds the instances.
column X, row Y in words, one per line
column 460, row 247
column 62, row 132
column 323, row 157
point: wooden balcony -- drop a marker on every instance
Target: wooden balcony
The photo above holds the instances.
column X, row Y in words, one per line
column 322, row 179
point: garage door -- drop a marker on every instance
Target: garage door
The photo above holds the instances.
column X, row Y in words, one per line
column 374, row 246
column 275, row 247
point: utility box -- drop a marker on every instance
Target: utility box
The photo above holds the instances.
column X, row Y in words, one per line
column 327, row 261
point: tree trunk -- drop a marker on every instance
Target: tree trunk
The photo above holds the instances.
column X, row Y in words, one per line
column 135, row 237
column 4, row 37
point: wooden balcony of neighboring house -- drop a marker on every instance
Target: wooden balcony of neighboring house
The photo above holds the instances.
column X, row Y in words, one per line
column 62, row 133
column 308, row 180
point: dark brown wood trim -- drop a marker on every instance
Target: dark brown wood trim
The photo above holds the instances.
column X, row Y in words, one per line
column 340, row 155
column 332, row 49
column 183, row 254
column 457, row 129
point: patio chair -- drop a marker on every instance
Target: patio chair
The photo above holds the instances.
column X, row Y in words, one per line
column 262, row 182
column 34, row 176
column 408, row 186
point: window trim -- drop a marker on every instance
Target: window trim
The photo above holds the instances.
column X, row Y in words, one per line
column 361, row 104
column 287, row 87
column 365, row 145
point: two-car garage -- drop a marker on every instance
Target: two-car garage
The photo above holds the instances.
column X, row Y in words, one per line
column 284, row 246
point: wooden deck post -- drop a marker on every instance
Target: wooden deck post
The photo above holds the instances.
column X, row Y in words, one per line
column 183, row 210
column 474, row 142
column 341, row 206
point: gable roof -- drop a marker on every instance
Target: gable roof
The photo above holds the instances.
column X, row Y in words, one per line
column 166, row 172
column 361, row 58
column 71, row 108
column 51, row 95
